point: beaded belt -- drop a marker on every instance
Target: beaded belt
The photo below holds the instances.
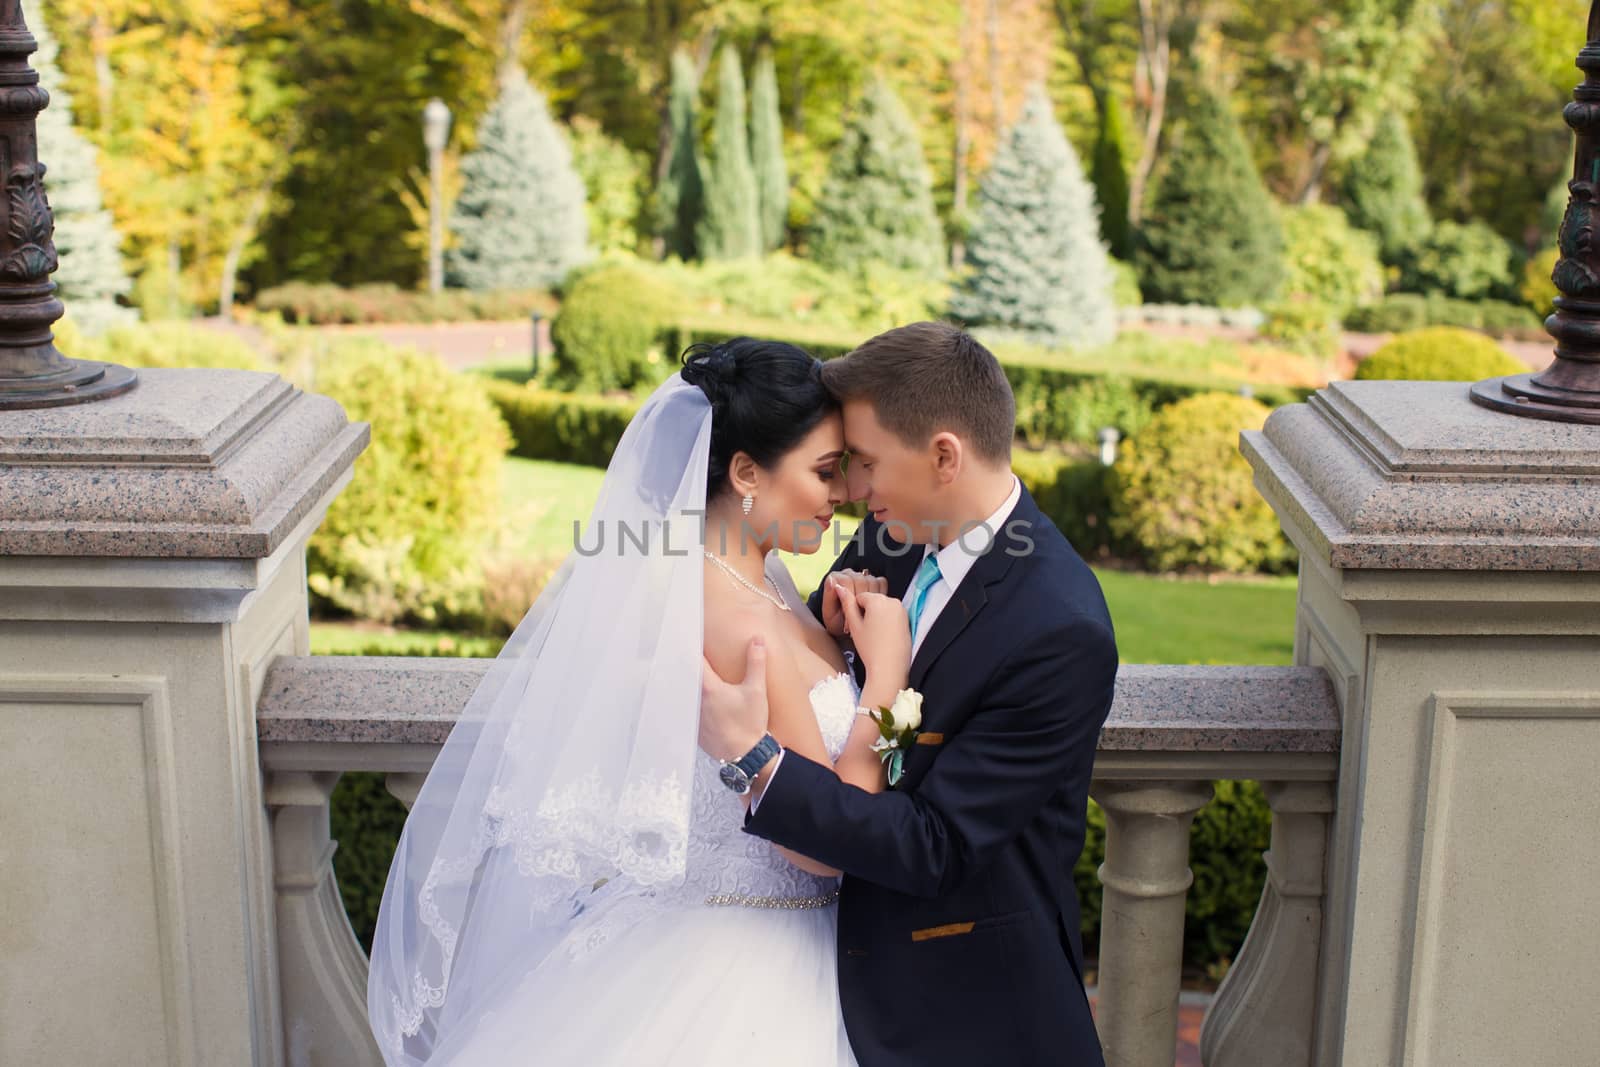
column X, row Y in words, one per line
column 783, row 903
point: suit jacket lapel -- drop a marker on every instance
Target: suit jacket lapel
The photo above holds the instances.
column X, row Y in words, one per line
column 967, row 602
column 971, row 596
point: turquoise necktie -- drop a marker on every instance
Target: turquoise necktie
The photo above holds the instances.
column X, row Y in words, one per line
column 927, row 574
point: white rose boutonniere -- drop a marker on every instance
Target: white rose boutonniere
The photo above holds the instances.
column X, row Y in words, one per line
column 907, row 709
column 897, row 729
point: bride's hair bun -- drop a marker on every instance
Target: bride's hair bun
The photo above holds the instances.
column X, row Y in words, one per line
column 712, row 367
column 765, row 397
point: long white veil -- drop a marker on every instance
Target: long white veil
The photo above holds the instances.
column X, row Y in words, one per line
column 572, row 762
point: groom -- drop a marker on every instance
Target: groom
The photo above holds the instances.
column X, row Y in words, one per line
column 958, row 916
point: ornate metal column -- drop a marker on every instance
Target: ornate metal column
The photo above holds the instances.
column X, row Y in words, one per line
column 1569, row 389
column 33, row 374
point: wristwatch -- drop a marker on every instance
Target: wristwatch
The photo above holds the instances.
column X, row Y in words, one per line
column 740, row 774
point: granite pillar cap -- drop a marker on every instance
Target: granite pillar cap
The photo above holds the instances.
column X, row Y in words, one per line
column 194, row 463
column 1396, row 475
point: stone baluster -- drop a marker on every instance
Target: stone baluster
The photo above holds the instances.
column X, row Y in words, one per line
column 1264, row 1014
column 322, row 967
column 1146, row 877
column 404, row 785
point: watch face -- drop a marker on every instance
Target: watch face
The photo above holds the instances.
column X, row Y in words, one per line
column 734, row 779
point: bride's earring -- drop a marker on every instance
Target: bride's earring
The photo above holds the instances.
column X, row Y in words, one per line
column 749, row 502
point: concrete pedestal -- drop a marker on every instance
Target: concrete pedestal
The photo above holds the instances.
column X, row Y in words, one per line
column 152, row 564
column 1450, row 585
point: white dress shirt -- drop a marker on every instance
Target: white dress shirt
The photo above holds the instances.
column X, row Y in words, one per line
column 955, row 560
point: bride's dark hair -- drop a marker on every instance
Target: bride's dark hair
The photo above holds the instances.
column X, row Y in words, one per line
column 765, row 397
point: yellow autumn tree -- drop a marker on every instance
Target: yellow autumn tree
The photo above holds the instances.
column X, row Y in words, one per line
column 195, row 130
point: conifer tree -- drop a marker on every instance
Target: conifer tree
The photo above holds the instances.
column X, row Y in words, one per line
column 91, row 275
column 1211, row 234
column 1038, row 266
column 731, row 225
column 1110, row 173
column 680, row 196
column 877, row 200
column 1383, row 190
column 766, row 153
column 520, row 221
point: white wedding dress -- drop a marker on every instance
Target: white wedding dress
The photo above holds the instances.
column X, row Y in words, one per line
column 737, row 965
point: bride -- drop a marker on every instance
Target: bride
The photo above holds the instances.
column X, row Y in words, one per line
column 573, row 884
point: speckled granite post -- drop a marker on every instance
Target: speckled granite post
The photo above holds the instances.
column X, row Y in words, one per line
column 152, row 565
column 1450, row 586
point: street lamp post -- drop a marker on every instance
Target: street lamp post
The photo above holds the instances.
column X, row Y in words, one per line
column 1569, row 389
column 435, row 133
column 33, row 373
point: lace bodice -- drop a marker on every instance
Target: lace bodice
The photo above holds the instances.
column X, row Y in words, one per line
column 723, row 859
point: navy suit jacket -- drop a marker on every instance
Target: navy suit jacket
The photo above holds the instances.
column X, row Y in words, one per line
column 958, row 915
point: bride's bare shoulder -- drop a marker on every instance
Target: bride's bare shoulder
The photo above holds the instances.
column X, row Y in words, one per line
column 729, row 627
column 727, row 640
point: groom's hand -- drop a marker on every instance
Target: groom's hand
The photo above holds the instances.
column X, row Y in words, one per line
column 733, row 718
column 857, row 582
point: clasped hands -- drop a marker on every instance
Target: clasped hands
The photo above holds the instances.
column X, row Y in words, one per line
column 734, row 715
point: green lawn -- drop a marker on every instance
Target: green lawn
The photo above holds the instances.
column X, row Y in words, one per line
column 1158, row 620
column 542, row 499
column 1168, row 620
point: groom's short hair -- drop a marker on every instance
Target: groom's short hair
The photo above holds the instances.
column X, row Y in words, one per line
column 926, row 377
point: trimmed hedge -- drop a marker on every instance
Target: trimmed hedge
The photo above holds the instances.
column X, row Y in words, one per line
column 1027, row 371
column 1440, row 354
column 325, row 304
column 1078, row 413
column 1304, row 325
column 1075, row 492
column 566, row 427
column 1413, row 311
column 365, row 820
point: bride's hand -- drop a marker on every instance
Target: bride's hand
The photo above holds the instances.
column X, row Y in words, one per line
column 881, row 631
column 857, row 582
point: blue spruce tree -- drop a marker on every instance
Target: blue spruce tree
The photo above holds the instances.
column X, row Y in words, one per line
column 91, row 275
column 1038, row 268
column 520, row 221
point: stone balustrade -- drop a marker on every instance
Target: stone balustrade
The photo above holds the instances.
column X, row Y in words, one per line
column 1172, row 731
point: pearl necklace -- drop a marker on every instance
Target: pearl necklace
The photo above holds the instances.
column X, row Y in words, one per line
column 742, row 580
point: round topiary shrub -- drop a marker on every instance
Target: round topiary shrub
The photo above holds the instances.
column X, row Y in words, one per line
column 608, row 333
column 403, row 540
column 1182, row 493
column 1440, row 354
column 1538, row 289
